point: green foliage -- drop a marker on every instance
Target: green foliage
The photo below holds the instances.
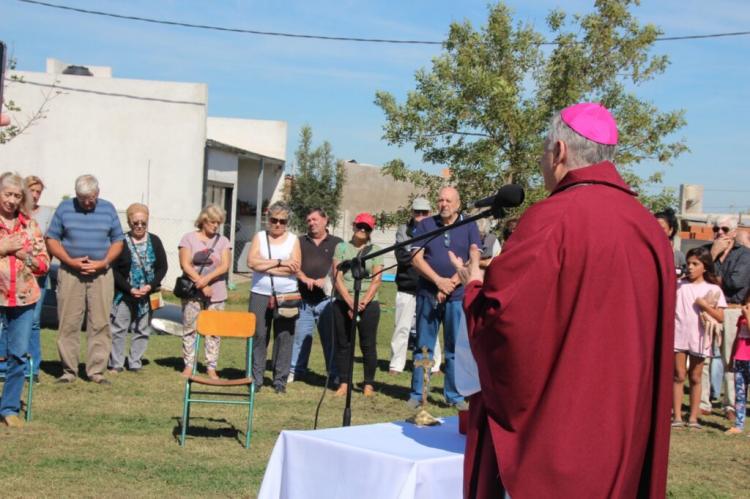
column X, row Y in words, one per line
column 319, row 181
column 484, row 106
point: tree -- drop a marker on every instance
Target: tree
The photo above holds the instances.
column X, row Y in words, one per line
column 484, row 106
column 319, row 181
column 17, row 127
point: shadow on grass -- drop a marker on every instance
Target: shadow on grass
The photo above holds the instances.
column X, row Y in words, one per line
column 229, row 431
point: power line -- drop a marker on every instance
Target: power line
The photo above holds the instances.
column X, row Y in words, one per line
column 319, row 37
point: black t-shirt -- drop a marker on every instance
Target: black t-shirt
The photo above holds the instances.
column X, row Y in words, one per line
column 316, row 263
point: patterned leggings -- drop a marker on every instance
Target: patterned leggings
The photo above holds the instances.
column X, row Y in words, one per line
column 190, row 311
column 741, row 379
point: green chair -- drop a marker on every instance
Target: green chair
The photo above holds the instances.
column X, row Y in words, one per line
column 30, row 388
column 226, row 325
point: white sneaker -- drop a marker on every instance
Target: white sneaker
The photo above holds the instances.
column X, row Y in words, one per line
column 290, row 378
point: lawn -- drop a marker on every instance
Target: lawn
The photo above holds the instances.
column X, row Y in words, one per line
column 120, row 440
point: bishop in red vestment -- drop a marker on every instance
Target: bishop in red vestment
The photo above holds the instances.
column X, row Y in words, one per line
column 572, row 330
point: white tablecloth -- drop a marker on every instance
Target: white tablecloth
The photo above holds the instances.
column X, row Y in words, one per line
column 380, row 461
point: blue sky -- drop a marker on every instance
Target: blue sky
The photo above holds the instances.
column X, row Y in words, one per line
column 331, row 85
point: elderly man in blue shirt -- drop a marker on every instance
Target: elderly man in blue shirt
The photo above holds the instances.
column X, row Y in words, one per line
column 86, row 236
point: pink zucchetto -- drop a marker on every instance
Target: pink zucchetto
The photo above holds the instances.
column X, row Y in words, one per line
column 593, row 121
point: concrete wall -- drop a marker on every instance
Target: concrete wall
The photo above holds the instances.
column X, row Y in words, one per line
column 144, row 140
column 263, row 137
column 368, row 189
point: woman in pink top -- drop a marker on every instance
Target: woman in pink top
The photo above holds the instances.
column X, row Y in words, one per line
column 204, row 258
column 700, row 306
column 740, row 363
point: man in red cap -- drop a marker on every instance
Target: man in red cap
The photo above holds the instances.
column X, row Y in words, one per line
column 572, row 329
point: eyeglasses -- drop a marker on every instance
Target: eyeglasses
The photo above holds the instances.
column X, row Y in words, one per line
column 725, row 230
column 423, row 213
column 363, row 227
column 280, row 221
column 447, row 239
column 138, row 223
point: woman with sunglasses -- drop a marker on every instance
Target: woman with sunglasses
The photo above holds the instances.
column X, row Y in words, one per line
column 368, row 307
column 275, row 259
column 138, row 273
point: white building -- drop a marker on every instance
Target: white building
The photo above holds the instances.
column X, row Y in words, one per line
column 149, row 142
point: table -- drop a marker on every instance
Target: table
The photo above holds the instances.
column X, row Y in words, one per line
column 386, row 460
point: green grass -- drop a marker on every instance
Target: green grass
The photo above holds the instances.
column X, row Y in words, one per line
column 120, row 441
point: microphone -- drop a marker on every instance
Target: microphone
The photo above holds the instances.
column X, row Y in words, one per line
column 508, row 196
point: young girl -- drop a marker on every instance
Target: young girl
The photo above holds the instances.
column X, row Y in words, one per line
column 740, row 362
column 699, row 302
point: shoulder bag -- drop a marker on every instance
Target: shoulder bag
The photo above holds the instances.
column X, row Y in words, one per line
column 284, row 305
column 184, row 287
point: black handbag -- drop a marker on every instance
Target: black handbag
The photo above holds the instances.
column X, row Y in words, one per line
column 184, row 287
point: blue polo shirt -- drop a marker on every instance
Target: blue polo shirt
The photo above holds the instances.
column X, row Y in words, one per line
column 457, row 240
column 85, row 233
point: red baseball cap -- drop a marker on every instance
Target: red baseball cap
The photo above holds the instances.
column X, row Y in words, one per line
column 365, row 218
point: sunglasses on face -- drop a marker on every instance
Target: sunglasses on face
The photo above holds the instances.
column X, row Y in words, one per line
column 725, row 230
column 138, row 223
column 280, row 221
column 423, row 213
column 363, row 227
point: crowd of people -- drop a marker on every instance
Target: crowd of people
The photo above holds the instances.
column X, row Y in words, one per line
column 627, row 321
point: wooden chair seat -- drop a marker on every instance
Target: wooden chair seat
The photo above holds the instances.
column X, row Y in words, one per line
column 225, row 324
column 220, row 382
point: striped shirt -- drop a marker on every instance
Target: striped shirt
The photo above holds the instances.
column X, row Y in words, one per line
column 85, row 233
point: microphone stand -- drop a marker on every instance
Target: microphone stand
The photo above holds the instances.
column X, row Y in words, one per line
column 357, row 266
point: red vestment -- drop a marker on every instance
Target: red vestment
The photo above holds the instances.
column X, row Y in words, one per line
column 572, row 331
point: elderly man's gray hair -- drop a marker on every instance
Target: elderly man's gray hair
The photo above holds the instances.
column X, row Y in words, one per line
column 730, row 221
column 581, row 151
column 86, row 185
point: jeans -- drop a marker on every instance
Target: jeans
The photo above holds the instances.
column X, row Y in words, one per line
column 35, row 345
column 311, row 315
column 430, row 314
column 17, row 331
column 741, row 379
column 711, row 378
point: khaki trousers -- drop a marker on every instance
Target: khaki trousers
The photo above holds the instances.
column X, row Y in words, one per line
column 92, row 295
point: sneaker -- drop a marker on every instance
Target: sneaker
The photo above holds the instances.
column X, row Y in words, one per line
column 280, row 389
column 413, row 404
column 462, row 406
column 12, row 421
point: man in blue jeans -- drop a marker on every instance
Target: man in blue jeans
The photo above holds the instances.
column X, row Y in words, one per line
column 439, row 291
column 317, row 248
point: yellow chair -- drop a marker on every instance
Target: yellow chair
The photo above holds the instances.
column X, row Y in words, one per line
column 225, row 325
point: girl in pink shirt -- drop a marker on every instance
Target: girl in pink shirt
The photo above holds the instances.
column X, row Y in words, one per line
column 740, row 363
column 699, row 307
